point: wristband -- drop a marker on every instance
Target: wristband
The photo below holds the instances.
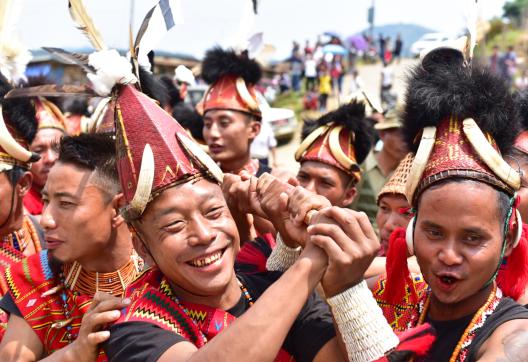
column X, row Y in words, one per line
column 282, row 256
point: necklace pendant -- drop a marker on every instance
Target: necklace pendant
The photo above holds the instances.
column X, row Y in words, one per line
column 61, row 324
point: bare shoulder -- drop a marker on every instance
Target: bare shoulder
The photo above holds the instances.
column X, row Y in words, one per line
column 508, row 343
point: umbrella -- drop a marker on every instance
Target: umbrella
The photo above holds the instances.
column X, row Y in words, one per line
column 358, row 41
column 334, row 49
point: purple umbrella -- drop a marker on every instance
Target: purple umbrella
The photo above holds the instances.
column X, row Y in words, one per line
column 358, row 41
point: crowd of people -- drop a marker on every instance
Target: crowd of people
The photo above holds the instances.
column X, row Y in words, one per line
column 146, row 231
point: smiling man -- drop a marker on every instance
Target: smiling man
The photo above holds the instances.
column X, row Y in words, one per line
column 466, row 233
column 192, row 305
column 89, row 251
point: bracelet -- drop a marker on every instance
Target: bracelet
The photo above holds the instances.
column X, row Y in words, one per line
column 282, row 256
column 364, row 329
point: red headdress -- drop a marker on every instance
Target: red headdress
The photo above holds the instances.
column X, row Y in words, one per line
column 458, row 119
column 49, row 115
column 341, row 138
column 232, row 78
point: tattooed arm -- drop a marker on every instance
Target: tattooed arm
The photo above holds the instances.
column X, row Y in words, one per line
column 509, row 343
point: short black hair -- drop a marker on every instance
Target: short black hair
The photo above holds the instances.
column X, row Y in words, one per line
column 190, row 119
column 94, row 152
column 15, row 174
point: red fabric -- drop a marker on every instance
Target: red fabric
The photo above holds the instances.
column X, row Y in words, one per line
column 140, row 121
column 398, row 275
column 33, row 201
column 513, row 277
column 252, row 253
column 224, row 95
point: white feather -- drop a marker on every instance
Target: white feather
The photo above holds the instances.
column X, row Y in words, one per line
column 471, row 15
column 111, row 69
column 9, row 15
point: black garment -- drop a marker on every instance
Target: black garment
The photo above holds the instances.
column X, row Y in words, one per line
column 262, row 168
column 7, row 304
column 145, row 342
column 450, row 332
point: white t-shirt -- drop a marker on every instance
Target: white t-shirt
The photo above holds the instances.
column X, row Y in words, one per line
column 386, row 76
column 265, row 140
column 310, row 68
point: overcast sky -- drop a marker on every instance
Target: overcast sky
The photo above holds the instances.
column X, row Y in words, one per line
column 210, row 22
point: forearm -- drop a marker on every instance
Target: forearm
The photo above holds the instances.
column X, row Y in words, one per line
column 258, row 335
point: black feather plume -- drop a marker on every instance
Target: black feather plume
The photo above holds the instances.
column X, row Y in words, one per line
column 219, row 62
column 443, row 87
column 18, row 112
column 521, row 101
column 352, row 117
column 153, row 87
column 255, row 6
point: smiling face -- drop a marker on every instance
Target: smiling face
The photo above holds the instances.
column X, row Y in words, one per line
column 229, row 134
column 43, row 144
column 192, row 237
column 77, row 215
column 327, row 181
column 457, row 241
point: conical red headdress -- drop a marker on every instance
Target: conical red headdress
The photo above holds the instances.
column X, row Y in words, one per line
column 154, row 151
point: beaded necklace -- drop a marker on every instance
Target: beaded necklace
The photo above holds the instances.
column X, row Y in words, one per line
column 88, row 283
column 20, row 239
column 462, row 348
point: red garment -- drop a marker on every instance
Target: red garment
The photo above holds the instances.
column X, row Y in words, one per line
column 33, row 201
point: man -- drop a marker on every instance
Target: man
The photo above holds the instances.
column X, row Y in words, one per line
column 89, row 251
column 379, row 165
column 466, row 233
column 51, row 127
column 231, row 111
column 393, row 207
column 332, row 149
column 178, row 212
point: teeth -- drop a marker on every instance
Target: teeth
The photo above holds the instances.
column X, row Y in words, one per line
column 199, row 263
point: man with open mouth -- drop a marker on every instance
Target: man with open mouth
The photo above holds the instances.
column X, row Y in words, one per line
column 466, row 234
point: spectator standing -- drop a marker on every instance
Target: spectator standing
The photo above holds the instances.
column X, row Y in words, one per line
column 398, row 46
column 265, row 144
column 337, row 73
column 325, row 87
column 494, row 60
column 310, row 71
column 382, row 43
column 296, row 71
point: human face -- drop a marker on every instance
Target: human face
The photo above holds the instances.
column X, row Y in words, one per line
column 43, row 145
column 9, row 204
column 77, row 215
column 393, row 143
column 229, row 134
column 458, row 241
column 327, row 181
column 390, row 217
column 192, row 237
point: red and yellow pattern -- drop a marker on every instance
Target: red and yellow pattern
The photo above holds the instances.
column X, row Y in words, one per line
column 30, row 284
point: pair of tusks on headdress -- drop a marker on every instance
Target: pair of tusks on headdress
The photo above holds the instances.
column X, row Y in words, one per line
column 10, row 145
column 333, row 143
column 146, row 174
column 480, row 144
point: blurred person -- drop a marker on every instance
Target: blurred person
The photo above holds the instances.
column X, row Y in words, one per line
column 310, row 72
column 382, row 46
column 356, row 82
column 174, row 97
column 76, row 114
column 265, row 145
column 284, row 82
column 495, row 60
column 337, row 72
column 296, row 70
column 51, row 128
column 387, row 79
column 325, row 87
column 380, row 164
column 521, row 82
column 398, row 47
column 509, row 65
column 191, row 120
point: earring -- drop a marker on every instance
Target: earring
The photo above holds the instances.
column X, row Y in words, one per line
column 519, row 230
column 409, row 236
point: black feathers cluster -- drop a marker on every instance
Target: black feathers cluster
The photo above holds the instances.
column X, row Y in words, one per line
column 219, row 62
column 521, row 101
column 352, row 117
column 153, row 87
column 18, row 112
column 442, row 86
